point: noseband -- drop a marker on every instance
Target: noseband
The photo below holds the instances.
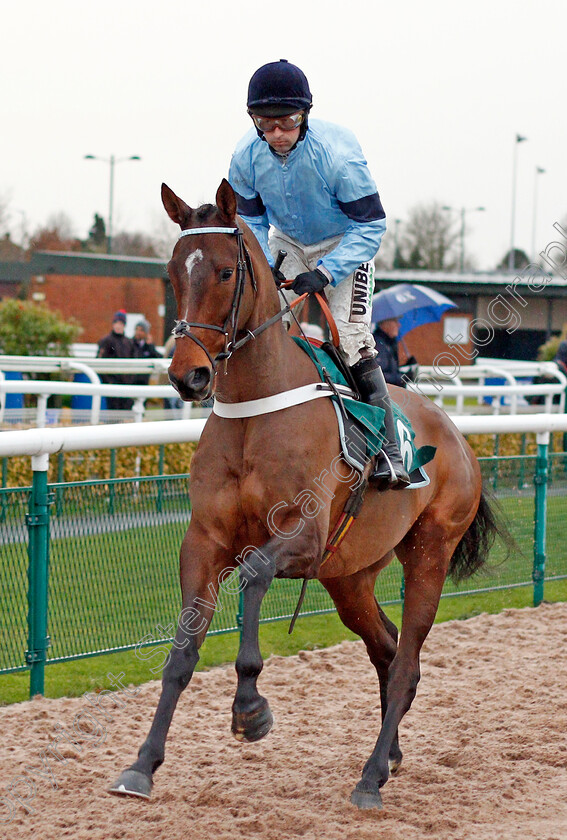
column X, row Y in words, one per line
column 230, row 327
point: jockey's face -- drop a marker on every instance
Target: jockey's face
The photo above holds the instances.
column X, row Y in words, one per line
column 282, row 141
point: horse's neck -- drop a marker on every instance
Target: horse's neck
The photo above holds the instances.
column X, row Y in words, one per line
column 266, row 365
column 255, row 370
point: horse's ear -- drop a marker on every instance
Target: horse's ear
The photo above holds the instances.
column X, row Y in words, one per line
column 176, row 208
column 226, row 202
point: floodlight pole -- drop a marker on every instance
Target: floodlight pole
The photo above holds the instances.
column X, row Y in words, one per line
column 512, row 252
column 112, row 161
column 538, row 171
column 463, row 211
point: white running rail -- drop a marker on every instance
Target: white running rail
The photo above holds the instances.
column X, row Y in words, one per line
column 40, row 443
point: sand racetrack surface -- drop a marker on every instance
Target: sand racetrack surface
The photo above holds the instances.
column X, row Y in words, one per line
column 485, row 749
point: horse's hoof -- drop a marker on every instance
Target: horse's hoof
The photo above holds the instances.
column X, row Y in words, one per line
column 365, row 797
column 252, row 726
column 132, row 783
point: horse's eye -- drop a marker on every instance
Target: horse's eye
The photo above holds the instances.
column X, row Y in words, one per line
column 226, row 274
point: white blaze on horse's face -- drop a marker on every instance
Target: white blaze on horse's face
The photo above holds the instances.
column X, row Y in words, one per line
column 190, row 263
column 195, row 257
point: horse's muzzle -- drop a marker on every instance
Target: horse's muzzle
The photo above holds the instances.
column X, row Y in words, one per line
column 195, row 385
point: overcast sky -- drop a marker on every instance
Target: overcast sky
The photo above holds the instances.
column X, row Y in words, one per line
column 435, row 92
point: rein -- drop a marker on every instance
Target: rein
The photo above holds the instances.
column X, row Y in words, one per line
column 182, row 328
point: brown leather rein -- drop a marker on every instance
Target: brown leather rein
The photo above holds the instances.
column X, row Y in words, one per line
column 324, row 304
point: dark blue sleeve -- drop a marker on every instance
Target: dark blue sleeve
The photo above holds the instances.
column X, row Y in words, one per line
column 249, row 206
column 367, row 209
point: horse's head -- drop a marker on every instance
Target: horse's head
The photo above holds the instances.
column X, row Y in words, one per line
column 214, row 289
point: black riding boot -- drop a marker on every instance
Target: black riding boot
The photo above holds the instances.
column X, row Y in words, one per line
column 389, row 472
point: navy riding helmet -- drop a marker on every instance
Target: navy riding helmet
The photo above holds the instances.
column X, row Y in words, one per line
column 278, row 89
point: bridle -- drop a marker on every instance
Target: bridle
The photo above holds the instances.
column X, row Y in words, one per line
column 229, row 329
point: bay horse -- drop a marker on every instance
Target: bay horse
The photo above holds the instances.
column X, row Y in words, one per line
column 252, row 505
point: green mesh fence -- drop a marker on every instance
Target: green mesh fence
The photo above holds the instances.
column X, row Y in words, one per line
column 114, row 549
column 556, row 563
column 13, row 578
column 114, row 553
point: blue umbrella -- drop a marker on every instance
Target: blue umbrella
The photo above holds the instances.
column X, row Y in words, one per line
column 413, row 305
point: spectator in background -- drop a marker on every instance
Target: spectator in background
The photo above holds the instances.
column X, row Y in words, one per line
column 116, row 345
column 386, row 338
column 142, row 348
column 561, row 355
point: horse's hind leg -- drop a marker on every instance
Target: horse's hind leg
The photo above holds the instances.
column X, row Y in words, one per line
column 200, row 566
column 395, row 757
column 361, row 613
column 425, row 554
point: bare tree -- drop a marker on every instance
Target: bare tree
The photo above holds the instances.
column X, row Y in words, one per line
column 429, row 239
column 164, row 235
column 56, row 235
column 134, row 245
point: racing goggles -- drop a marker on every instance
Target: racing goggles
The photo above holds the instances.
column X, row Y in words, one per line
column 288, row 123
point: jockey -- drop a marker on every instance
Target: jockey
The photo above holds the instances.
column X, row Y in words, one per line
column 309, row 180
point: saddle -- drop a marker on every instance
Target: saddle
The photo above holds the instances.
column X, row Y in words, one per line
column 360, row 424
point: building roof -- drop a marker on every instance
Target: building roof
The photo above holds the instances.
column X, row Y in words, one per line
column 472, row 282
column 13, row 272
column 95, row 265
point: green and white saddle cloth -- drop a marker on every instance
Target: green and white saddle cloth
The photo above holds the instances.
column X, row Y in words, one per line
column 361, row 426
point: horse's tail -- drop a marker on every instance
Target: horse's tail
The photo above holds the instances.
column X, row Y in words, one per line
column 473, row 550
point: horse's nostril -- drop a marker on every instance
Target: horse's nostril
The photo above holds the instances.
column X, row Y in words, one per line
column 194, row 385
column 198, row 379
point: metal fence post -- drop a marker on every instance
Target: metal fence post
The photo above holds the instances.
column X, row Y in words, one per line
column 161, row 466
column 60, row 480
column 37, row 521
column 3, row 496
column 111, row 486
column 540, row 520
column 522, row 475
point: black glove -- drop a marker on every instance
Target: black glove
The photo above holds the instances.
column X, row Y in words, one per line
column 279, row 276
column 309, row 281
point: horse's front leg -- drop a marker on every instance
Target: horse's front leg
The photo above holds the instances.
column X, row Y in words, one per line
column 201, row 562
column 251, row 715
